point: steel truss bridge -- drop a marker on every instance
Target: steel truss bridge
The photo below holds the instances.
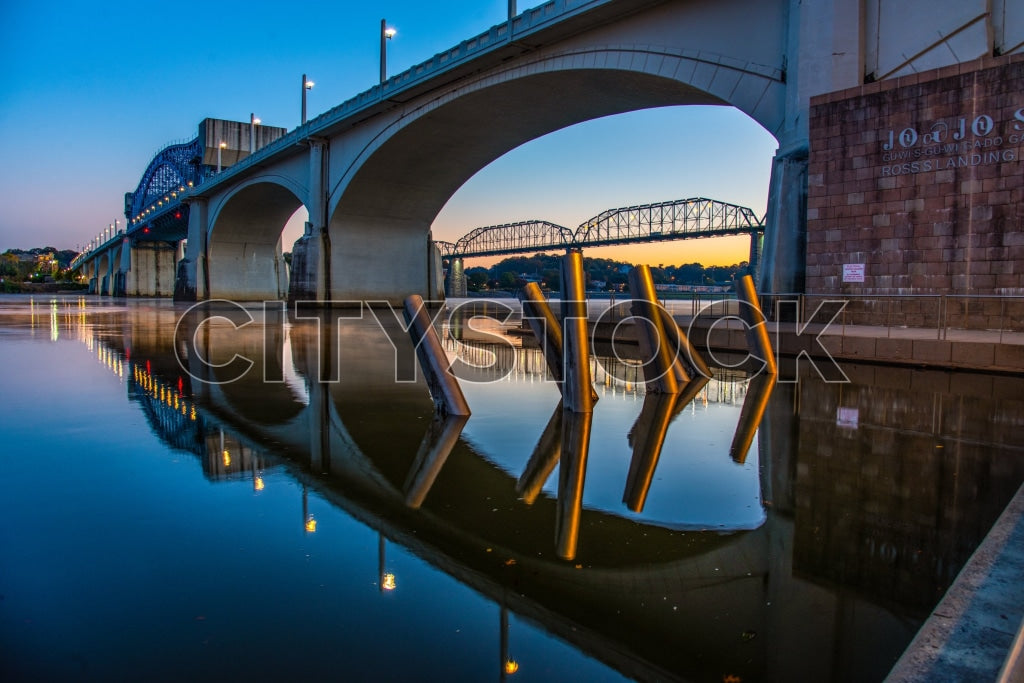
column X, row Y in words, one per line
column 675, row 220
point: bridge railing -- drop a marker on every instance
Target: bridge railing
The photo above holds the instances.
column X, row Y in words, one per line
column 942, row 313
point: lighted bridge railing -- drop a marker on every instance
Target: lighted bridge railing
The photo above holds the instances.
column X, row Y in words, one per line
column 680, row 219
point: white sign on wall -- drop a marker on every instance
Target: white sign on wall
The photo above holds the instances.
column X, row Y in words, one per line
column 847, row 417
column 853, row 272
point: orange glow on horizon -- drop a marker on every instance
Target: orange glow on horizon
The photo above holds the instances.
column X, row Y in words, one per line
column 715, row 251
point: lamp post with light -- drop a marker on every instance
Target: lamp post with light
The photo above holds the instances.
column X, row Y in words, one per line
column 306, row 85
column 386, row 34
column 252, row 133
column 220, row 148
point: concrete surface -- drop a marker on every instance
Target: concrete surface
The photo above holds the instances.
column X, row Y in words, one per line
column 970, row 633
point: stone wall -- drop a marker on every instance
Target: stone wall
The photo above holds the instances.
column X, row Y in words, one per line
column 916, row 186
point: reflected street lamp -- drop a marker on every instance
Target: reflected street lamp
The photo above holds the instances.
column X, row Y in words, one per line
column 252, row 133
column 386, row 34
column 306, row 85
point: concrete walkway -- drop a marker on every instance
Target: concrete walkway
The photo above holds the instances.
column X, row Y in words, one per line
column 971, row 632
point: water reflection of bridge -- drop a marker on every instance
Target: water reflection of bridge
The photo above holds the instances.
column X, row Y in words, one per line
column 853, row 504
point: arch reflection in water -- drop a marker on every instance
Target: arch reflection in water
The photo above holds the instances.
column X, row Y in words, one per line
column 841, row 582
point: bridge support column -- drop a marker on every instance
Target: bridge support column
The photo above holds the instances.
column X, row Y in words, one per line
column 192, row 279
column 435, row 272
column 106, row 275
column 122, row 269
column 152, row 269
column 311, row 256
column 455, row 281
column 310, row 277
column 785, row 239
column 754, row 261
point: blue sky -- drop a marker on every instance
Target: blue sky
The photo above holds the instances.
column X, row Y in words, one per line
column 91, row 91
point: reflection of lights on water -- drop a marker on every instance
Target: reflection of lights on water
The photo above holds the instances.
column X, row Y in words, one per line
column 387, row 582
column 511, row 666
column 227, row 459
column 257, row 485
column 311, row 524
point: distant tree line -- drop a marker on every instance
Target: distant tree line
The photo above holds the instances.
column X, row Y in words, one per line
column 41, row 264
column 605, row 275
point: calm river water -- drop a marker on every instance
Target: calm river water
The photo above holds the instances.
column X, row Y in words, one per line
column 274, row 500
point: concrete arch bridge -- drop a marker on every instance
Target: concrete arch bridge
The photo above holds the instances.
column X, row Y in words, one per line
column 374, row 171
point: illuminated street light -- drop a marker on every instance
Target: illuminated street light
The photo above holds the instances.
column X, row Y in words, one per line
column 386, row 34
column 252, row 133
column 220, row 148
column 306, row 85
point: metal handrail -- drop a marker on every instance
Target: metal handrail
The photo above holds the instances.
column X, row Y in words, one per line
column 944, row 319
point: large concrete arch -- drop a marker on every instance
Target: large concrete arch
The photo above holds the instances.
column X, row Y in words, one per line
column 244, row 239
column 387, row 194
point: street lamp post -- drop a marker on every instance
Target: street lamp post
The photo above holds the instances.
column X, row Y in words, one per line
column 252, row 133
column 386, row 34
column 220, row 148
column 306, row 85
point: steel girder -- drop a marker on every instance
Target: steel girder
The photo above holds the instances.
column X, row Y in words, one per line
column 513, row 238
column 173, row 169
column 680, row 219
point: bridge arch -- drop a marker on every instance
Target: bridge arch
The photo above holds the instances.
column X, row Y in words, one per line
column 174, row 167
column 244, row 241
column 389, row 194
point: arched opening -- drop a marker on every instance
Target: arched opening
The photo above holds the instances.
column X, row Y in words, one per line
column 246, row 259
column 410, row 171
column 630, row 159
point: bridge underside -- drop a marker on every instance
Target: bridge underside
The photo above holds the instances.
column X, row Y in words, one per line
column 245, row 254
column 379, row 229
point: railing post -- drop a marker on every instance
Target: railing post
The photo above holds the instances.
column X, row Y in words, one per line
column 888, row 319
column 1002, row 317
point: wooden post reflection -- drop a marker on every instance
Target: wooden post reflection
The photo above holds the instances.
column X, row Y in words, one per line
column 571, row 474
column 545, row 456
column 647, row 438
column 508, row 665
column 438, row 441
column 759, row 391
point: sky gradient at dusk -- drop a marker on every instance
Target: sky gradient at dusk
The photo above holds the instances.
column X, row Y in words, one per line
column 92, row 91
